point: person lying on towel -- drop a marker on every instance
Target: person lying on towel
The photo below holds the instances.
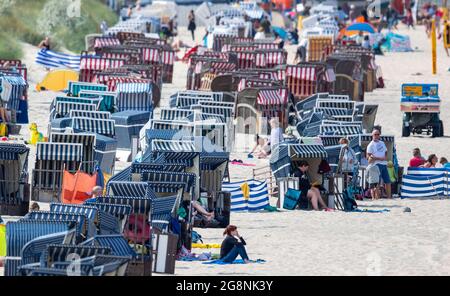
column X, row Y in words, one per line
column 233, row 245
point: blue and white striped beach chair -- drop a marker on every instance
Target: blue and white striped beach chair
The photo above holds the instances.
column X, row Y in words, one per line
column 22, row 232
column 82, row 221
column 128, row 124
column 90, row 114
column 134, row 96
column 104, row 127
column 64, row 252
column 51, row 160
column 91, row 213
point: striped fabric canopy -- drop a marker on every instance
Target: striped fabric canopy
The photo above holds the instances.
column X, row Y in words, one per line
column 134, row 96
column 175, row 114
column 162, row 176
column 85, row 139
column 18, row 87
column 129, row 189
column 341, row 104
column 90, row 114
column 172, row 125
column 303, row 73
column 272, row 97
column 104, row 127
column 106, row 41
column 151, row 55
column 59, row 151
column 384, row 138
column 76, row 87
column 12, row 151
column 173, row 146
column 134, row 88
column 340, row 129
column 64, row 108
column 333, row 111
column 258, row 199
column 307, row 151
column 168, row 57
column 97, row 63
column 226, row 112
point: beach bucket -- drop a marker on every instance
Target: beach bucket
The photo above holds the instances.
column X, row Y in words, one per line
column 2, row 240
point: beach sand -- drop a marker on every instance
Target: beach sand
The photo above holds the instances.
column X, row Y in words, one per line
column 330, row 243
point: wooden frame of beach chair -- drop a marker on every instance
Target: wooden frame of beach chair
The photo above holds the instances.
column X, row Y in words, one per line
column 349, row 76
column 14, row 185
column 316, row 46
column 287, row 155
column 51, row 160
column 90, row 65
column 306, row 79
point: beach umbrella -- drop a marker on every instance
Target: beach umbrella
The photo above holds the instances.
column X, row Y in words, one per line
column 361, row 27
column 280, row 31
column 355, row 28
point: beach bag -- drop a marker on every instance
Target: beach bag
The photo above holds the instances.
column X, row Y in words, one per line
column 291, row 199
column 3, row 130
column 349, row 202
column 196, row 237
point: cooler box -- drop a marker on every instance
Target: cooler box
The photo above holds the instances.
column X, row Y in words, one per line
column 128, row 124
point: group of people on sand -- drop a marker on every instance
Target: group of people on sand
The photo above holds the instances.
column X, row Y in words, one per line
column 432, row 161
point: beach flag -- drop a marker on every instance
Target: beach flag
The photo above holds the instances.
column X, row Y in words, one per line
column 76, row 188
column 52, row 59
column 257, row 198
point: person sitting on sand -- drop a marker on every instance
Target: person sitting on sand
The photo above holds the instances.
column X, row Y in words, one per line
column 233, row 245
column 309, row 193
column 261, row 149
column 417, row 160
column 45, row 44
column 431, row 161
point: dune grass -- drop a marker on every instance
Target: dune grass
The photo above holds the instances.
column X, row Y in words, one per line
column 27, row 21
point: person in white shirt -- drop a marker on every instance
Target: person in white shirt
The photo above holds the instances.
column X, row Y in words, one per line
column 378, row 151
column 276, row 133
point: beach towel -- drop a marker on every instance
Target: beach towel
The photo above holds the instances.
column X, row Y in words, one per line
column 370, row 211
column 258, row 198
column 52, row 59
column 237, row 261
column 243, row 164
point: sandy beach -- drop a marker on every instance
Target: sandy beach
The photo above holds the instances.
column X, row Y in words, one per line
column 330, row 243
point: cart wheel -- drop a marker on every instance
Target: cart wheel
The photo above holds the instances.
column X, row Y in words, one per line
column 405, row 131
column 441, row 128
column 436, row 131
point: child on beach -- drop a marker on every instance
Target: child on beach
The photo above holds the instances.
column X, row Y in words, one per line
column 373, row 178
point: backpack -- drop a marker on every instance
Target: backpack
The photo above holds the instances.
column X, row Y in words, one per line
column 196, row 237
column 291, row 199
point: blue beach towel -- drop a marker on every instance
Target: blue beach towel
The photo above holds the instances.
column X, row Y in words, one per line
column 370, row 211
column 238, row 261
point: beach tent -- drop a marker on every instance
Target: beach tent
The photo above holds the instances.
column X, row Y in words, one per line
column 57, row 80
column 396, row 43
